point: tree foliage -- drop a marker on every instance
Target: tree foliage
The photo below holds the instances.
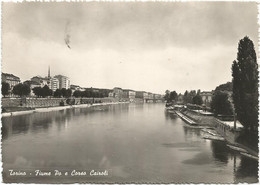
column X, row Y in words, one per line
column 220, row 104
column 57, row 93
column 225, row 87
column 245, row 85
column 90, row 93
column 171, row 96
column 197, row 99
column 5, row 88
column 188, row 96
column 42, row 91
column 21, row 89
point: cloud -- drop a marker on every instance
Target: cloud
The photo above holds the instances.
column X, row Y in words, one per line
column 150, row 46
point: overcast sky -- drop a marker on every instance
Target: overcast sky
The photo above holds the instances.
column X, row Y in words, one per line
column 142, row 46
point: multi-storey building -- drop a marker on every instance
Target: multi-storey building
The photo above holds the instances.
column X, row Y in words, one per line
column 141, row 94
column 64, row 81
column 127, row 93
column 54, row 84
column 118, row 92
column 11, row 79
column 150, row 95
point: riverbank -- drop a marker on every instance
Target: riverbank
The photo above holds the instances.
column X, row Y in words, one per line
column 191, row 118
column 57, row 108
column 199, row 119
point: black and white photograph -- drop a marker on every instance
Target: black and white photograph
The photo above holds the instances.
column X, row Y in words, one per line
column 129, row 92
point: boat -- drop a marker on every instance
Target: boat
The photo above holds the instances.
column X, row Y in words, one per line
column 215, row 138
column 209, row 132
column 249, row 155
column 237, row 149
column 186, row 119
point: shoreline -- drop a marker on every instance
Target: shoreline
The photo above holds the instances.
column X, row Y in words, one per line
column 50, row 109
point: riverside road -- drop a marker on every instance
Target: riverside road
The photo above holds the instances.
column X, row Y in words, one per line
column 125, row 143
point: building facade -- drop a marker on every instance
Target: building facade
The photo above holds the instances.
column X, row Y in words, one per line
column 64, row 81
column 206, row 97
column 118, row 92
column 11, row 79
column 41, row 80
column 141, row 94
column 130, row 94
column 54, row 84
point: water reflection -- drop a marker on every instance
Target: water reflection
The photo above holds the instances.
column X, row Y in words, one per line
column 220, row 151
column 247, row 168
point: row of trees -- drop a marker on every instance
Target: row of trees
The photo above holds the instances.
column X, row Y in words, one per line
column 46, row 91
column 170, row 96
column 24, row 90
column 19, row 89
column 90, row 93
column 192, row 97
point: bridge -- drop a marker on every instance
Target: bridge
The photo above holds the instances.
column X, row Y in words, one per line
column 154, row 100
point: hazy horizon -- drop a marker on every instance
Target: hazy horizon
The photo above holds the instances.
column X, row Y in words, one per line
column 150, row 46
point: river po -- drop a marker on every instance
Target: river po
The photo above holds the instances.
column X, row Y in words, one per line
column 125, row 143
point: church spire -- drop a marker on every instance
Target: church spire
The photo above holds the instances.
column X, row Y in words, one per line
column 49, row 72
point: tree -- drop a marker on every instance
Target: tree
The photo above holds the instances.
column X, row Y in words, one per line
column 26, row 90
column 46, row 91
column 220, row 104
column 5, row 88
column 167, row 95
column 37, row 91
column 77, row 93
column 69, row 92
column 225, row 87
column 197, row 99
column 64, row 92
column 173, row 96
column 57, row 93
column 245, row 85
column 21, row 89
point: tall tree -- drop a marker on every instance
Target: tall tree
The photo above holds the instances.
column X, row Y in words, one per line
column 167, row 95
column 5, row 88
column 173, row 96
column 245, row 85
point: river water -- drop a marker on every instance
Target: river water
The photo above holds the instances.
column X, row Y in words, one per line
column 129, row 143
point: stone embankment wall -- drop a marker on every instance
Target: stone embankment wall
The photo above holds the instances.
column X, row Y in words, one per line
column 49, row 102
column 229, row 134
column 200, row 119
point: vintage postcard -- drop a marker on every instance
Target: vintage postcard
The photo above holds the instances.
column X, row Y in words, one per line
column 129, row 92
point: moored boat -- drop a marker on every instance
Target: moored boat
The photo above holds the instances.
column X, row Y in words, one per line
column 237, row 148
column 216, row 138
column 249, row 155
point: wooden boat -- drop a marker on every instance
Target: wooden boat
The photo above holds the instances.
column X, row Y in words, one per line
column 186, row 119
column 215, row 138
column 209, row 132
column 237, row 148
column 249, row 155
